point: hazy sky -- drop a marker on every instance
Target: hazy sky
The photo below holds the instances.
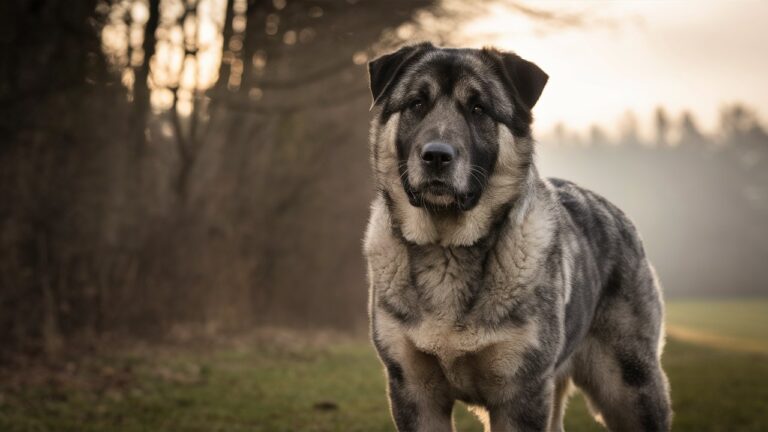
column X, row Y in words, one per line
column 684, row 54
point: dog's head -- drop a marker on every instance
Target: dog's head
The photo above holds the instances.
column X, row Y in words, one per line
column 451, row 144
column 452, row 126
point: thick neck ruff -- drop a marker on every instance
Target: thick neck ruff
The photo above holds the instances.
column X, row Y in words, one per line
column 419, row 226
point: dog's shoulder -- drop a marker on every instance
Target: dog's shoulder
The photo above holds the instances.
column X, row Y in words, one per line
column 379, row 229
column 588, row 207
column 600, row 223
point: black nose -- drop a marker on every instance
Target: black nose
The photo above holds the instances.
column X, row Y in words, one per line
column 437, row 155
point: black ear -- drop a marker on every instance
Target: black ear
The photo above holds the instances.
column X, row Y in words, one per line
column 384, row 70
column 528, row 78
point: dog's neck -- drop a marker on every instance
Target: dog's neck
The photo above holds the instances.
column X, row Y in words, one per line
column 452, row 229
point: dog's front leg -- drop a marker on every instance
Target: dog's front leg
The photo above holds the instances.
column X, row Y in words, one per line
column 419, row 393
column 528, row 410
column 419, row 407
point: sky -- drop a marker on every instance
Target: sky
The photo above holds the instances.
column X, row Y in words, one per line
column 637, row 55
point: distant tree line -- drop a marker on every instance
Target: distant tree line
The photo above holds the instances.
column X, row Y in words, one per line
column 700, row 199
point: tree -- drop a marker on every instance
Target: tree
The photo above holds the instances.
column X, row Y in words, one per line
column 741, row 126
column 661, row 123
column 689, row 130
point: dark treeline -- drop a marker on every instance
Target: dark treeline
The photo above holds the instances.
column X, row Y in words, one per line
column 700, row 199
column 220, row 184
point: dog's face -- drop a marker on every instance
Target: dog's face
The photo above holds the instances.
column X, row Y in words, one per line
column 448, row 113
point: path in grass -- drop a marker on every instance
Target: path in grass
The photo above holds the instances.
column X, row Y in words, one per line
column 736, row 325
column 717, row 341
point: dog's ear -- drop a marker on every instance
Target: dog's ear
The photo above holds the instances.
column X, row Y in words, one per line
column 384, row 70
column 529, row 79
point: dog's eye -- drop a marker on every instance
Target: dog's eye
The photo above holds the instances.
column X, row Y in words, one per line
column 478, row 110
column 417, row 105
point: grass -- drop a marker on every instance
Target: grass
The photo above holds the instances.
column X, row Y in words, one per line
column 336, row 385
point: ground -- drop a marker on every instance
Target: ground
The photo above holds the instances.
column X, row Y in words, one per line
column 286, row 382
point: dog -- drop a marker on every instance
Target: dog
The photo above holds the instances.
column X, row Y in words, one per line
column 488, row 283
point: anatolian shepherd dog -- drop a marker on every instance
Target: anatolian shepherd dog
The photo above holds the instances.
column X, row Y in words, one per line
column 490, row 284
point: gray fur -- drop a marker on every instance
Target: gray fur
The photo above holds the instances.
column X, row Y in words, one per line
column 503, row 298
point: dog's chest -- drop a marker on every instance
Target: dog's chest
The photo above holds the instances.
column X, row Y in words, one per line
column 455, row 304
column 454, row 298
column 478, row 362
column 446, row 280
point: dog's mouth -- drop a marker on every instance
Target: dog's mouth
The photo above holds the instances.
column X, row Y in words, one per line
column 438, row 195
column 438, row 188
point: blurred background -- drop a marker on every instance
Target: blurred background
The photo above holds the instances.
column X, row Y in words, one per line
column 184, row 185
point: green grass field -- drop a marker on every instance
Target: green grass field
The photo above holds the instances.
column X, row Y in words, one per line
column 300, row 384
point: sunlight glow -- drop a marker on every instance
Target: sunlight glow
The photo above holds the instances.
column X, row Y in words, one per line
column 636, row 56
column 170, row 67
